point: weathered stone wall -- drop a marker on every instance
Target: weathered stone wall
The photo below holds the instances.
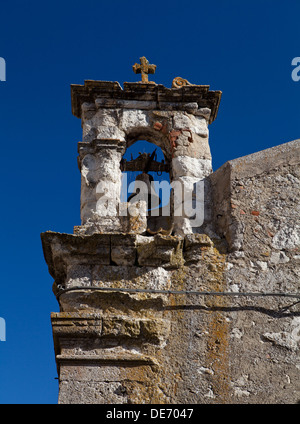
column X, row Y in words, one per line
column 179, row 348
column 120, row 337
column 256, row 209
column 136, row 347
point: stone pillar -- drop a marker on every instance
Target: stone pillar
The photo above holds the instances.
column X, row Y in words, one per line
column 109, row 343
column 117, row 334
column 191, row 164
column 99, row 163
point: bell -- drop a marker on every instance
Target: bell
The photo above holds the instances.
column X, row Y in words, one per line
column 144, row 190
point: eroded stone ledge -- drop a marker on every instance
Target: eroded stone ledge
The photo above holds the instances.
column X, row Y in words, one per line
column 64, row 252
column 112, row 95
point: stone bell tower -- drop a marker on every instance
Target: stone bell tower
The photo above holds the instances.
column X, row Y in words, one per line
column 120, row 336
column 175, row 304
column 113, row 119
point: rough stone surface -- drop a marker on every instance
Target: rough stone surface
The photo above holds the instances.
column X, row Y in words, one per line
column 121, row 335
column 191, row 167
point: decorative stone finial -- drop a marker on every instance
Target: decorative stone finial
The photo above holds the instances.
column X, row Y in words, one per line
column 180, row 82
column 144, row 69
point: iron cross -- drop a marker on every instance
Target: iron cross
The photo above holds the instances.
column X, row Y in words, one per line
column 144, row 68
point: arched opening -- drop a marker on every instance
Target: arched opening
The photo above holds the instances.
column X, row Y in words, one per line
column 145, row 163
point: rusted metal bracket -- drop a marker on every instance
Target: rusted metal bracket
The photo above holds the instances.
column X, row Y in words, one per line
column 142, row 164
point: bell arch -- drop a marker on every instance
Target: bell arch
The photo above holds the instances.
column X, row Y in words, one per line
column 113, row 119
column 150, row 135
column 144, row 166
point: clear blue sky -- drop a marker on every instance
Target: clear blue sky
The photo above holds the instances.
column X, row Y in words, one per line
column 243, row 48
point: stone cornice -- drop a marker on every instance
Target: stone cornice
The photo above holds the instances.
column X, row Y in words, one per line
column 169, row 252
column 156, row 93
column 100, row 249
